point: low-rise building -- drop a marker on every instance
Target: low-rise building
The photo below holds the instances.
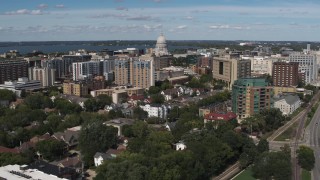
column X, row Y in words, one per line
column 23, row 84
column 99, row 158
column 287, row 103
column 75, row 88
column 160, row 111
column 211, row 117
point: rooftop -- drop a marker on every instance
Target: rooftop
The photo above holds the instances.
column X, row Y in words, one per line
column 119, row 122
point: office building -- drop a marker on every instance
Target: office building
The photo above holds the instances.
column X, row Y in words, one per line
column 230, row 69
column 285, row 74
column 250, row 96
column 261, row 65
column 307, row 65
column 45, row 75
column 12, row 70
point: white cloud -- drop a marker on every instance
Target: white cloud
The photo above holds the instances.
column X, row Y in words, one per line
column 43, row 6
column 182, row 27
column 60, row 6
column 227, row 26
column 24, row 12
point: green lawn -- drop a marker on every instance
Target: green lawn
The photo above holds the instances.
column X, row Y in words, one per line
column 245, row 175
column 306, row 175
column 288, row 133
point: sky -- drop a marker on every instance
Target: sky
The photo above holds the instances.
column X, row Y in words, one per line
column 73, row 20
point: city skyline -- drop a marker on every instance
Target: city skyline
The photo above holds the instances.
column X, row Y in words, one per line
column 45, row 20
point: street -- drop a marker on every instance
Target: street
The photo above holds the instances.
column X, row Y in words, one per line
column 312, row 139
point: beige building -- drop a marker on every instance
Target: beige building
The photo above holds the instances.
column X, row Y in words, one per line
column 279, row 90
column 77, row 89
column 135, row 72
column 229, row 69
column 118, row 93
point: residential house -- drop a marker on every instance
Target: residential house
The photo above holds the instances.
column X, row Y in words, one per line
column 180, row 146
column 99, row 158
column 61, row 172
column 119, row 123
column 69, row 137
column 287, row 103
column 215, row 117
column 160, row 111
column 170, row 125
column 169, row 94
column 70, row 162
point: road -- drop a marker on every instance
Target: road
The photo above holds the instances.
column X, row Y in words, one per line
column 312, row 138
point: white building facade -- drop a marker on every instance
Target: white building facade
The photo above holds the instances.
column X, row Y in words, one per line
column 287, row 104
column 46, row 75
column 307, row 65
column 156, row 111
column 261, row 65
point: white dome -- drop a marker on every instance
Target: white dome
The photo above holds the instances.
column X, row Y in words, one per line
column 161, row 39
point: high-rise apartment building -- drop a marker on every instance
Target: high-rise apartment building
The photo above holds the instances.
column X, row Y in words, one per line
column 134, row 72
column 12, row 70
column 229, row 69
column 63, row 66
column 250, row 96
column 285, row 74
column 261, row 66
column 307, row 65
column 45, row 75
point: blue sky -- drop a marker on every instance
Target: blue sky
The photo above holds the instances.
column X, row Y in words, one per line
column 59, row 20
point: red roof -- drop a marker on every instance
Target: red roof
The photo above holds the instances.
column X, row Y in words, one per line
column 136, row 97
column 8, row 150
column 220, row 116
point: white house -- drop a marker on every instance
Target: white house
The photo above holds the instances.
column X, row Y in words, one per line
column 160, row 111
column 180, row 146
column 99, row 158
column 287, row 104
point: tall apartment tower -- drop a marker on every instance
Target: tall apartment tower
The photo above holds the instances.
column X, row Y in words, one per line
column 250, row 96
column 307, row 65
column 230, row 69
column 285, row 74
column 12, row 70
column 45, row 75
column 134, row 72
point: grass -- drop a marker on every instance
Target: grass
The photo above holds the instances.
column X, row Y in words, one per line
column 306, row 175
column 296, row 112
column 288, row 133
column 245, row 175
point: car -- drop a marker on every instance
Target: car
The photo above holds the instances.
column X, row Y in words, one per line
column 316, row 123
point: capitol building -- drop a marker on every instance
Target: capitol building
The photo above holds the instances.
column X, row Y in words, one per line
column 161, row 46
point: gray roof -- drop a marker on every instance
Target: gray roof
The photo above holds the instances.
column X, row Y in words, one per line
column 290, row 99
column 103, row 155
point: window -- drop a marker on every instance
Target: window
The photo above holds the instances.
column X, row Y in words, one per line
column 221, row 68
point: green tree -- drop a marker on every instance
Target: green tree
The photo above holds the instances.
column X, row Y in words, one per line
column 10, row 158
column 104, row 100
column 51, row 149
column 157, row 99
column 38, row 101
column 96, row 137
column 7, row 95
column 306, row 157
column 139, row 113
column 263, row 146
column 154, row 90
column 91, row 105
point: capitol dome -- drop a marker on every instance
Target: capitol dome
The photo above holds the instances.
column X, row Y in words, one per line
column 161, row 39
column 161, row 46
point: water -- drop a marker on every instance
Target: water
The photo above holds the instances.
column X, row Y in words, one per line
column 66, row 47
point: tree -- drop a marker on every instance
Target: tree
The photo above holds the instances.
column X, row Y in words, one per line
column 10, row 158
column 157, row 99
column 96, row 137
column 139, row 113
column 154, row 90
column 263, row 146
column 103, row 100
column 306, row 157
column 273, row 165
column 7, row 95
column 91, row 105
column 38, row 101
column 51, row 149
